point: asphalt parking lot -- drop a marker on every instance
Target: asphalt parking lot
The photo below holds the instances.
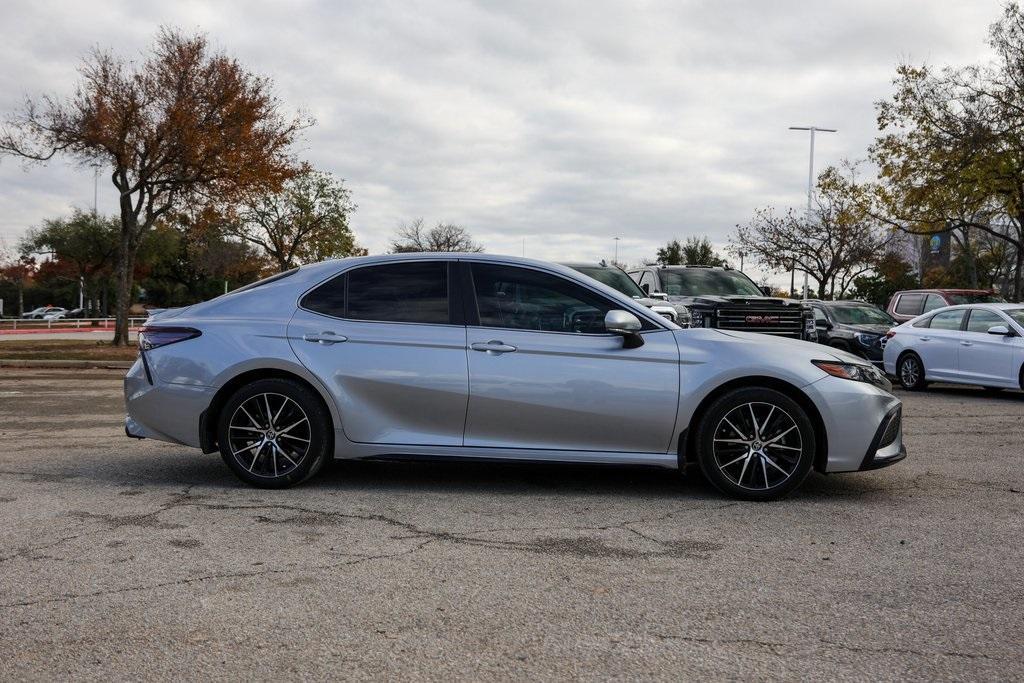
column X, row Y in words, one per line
column 126, row 559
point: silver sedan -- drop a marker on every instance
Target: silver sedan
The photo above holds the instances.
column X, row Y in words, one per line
column 475, row 356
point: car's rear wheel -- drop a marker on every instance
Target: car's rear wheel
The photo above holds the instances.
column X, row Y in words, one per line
column 910, row 372
column 274, row 433
column 755, row 443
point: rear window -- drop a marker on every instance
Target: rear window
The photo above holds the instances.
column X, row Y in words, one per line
column 266, row 280
column 909, row 304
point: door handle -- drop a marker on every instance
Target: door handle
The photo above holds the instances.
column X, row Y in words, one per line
column 966, row 343
column 924, row 338
column 493, row 347
column 327, row 338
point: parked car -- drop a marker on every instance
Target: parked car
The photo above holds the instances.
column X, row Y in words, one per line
column 41, row 312
column 726, row 299
column 61, row 313
column 981, row 344
column 854, row 326
column 490, row 357
column 618, row 279
column 909, row 304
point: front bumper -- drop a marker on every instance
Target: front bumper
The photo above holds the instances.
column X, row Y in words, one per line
column 886, row 446
column 856, row 416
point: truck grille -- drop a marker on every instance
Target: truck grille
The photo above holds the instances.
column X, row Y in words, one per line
column 783, row 322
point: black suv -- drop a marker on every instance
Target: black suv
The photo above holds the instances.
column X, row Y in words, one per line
column 726, row 299
column 854, row 326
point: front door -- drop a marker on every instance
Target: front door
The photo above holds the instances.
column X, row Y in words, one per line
column 544, row 374
column 382, row 339
column 987, row 358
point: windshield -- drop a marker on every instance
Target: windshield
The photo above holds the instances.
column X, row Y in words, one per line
column 1017, row 314
column 860, row 315
column 700, row 281
column 614, row 278
column 976, row 299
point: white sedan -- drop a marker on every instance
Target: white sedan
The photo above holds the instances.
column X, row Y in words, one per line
column 979, row 344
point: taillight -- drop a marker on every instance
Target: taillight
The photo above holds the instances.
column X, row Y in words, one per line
column 155, row 336
column 890, row 334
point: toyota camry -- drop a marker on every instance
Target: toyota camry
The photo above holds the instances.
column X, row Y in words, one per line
column 492, row 357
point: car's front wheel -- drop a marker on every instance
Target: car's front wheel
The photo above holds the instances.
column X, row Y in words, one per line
column 274, row 433
column 755, row 443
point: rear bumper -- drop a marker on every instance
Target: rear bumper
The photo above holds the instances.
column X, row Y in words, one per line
column 163, row 411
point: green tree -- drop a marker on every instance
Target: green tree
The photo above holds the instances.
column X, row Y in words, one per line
column 84, row 247
column 696, row 251
column 951, row 146
column 304, row 222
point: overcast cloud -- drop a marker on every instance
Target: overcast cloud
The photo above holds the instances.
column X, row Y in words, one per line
column 562, row 123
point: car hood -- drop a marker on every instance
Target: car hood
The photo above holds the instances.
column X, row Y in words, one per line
column 788, row 345
column 873, row 329
column 740, row 300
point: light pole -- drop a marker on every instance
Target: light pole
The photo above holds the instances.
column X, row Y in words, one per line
column 615, row 261
column 741, row 254
column 810, row 176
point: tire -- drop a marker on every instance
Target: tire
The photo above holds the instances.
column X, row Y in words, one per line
column 726, row 454
column 287, row 451
column 910, row 372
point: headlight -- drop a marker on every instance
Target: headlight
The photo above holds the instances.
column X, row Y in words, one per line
column 696, row 316
column 866, row 339
column 855, row 372
column 683, row 317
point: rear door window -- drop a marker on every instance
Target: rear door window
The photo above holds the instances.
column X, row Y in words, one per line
column 415, row 292
column 909, row 304
column 947, row 320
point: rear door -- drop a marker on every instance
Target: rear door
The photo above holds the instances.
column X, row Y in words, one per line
column 987, row 359
column 544, row 373
column 939, row 344
column 388, row 342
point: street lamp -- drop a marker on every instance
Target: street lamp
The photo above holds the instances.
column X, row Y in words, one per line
column 616, row 260
column 810, row 176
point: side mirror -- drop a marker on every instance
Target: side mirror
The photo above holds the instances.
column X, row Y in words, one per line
column 646, row 287
column 1001, row 330
column 659, row 295
column 767, row 291
column 626, row 325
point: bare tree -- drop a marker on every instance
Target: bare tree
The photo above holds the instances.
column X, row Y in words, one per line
column 834, row 245
column 413, row 237
column 184, row 123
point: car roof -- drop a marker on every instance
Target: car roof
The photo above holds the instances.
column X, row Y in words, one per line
column 946, row 291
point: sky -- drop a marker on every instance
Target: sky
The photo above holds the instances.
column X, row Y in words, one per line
column 543, row 127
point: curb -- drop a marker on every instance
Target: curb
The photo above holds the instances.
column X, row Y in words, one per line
column 65, row 364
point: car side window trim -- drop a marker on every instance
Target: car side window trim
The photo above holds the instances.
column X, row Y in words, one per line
column 473, row 317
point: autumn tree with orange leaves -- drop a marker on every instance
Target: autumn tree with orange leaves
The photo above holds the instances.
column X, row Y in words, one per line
column 186, row 125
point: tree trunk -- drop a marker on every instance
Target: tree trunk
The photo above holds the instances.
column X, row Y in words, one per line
column 21, row 299
column 1017, row 293
column 124, row 274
